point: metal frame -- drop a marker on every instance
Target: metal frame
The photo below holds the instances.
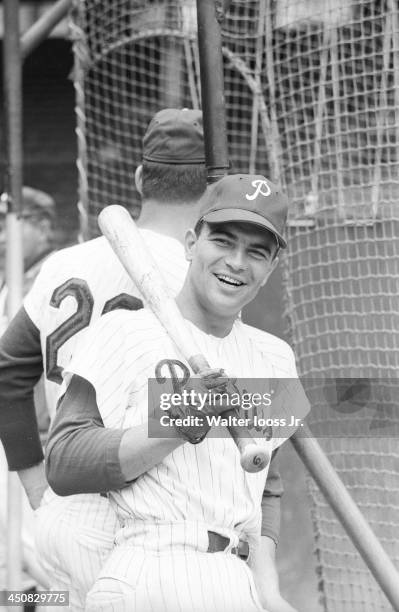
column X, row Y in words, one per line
column 15, row 51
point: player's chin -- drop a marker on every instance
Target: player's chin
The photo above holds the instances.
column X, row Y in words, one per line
column 230, row 301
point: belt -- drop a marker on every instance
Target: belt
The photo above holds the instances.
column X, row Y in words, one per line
column 218, row 543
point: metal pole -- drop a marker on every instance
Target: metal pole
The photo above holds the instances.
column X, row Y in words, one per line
column 40, row 30
column 14, row 256
column 350, row 516
column 212, row 90
column 13, row 131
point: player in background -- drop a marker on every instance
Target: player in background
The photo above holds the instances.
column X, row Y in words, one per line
column 38, row 214
column 189, row 505
column 76, row 286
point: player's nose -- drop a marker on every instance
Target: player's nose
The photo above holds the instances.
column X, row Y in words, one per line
column 236, row 260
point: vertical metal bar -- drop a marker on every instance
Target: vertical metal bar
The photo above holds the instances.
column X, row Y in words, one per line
column 14, row 256
column 212, row 90
column 13, row 104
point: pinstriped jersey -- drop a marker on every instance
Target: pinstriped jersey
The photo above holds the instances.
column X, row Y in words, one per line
column 79, row 284
column 197, row 483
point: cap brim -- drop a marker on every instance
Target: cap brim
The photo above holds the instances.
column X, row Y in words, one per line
column 246, row 216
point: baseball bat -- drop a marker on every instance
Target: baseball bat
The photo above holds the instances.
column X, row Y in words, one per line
column 121, row 231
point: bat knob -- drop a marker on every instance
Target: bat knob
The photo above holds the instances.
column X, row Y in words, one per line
column 254, row 458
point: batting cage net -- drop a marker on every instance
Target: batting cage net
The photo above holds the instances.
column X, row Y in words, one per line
column 312, row 99
column 336, row 81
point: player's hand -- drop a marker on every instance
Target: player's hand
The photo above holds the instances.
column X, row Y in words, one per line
column 34, row 481
column 214, row 384
column 274, row 602
column 202, row 392
column 262, row 562
column 270, row 596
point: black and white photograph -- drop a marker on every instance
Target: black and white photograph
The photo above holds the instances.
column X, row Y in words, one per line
column 199, row 305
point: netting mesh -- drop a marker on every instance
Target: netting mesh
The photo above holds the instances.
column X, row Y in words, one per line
column 312, row 97
column 336, row 76
column 133, row 58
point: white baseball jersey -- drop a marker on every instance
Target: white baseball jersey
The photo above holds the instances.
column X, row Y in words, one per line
column 196, row 488
column 75, row 287
column 118, row 357
column 78, row 285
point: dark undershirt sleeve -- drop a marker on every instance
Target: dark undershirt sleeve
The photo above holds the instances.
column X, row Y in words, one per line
column 21, row 366
column 271, row 501
column 81, row 455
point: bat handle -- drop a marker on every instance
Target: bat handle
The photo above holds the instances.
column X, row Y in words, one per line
column 254, row 458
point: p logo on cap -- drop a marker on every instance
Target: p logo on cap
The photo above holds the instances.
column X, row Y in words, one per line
column 262, row 188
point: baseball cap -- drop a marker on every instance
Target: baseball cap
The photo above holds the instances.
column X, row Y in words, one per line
column 33, row 201
column 175, row 136
column 250, row 198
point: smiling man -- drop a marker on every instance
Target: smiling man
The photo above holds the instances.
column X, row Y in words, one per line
column 190, row 506
column 233, row 261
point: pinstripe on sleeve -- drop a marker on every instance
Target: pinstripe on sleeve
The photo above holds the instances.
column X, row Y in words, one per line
column 100, row 358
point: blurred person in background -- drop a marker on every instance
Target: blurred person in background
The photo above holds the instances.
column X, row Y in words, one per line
column 38, row 214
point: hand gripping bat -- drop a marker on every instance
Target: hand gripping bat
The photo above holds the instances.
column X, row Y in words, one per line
column 120, row 230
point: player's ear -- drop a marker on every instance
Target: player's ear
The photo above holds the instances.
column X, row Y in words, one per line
column 272, row 267
column 189, row 243
column 138, row 179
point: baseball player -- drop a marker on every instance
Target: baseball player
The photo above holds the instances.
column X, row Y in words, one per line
column 38, row 212
column 75, row 287
column 190, row 506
